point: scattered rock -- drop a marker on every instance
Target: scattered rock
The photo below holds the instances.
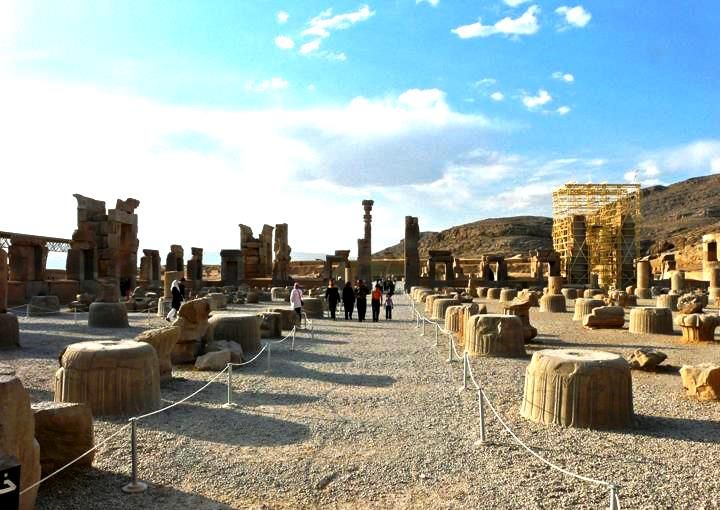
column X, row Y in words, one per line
column 702, row 381
column 216, row 360
column 646, row 358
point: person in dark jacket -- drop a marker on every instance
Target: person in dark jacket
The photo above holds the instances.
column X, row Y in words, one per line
column 361, row 293
column 332, row 294
column 348, row 297
column 177, row 289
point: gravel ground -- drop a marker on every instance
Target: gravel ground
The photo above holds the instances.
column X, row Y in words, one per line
column 371, row 416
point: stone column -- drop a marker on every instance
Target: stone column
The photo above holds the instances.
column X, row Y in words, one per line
column 644, row 279
column 266, row 250
column 365, row 245
column 412, row 255
column 3, row 281
column 714, row 290
column 677, row 282
column 195, row 267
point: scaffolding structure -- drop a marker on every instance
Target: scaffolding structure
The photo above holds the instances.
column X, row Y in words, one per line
column 595, row 232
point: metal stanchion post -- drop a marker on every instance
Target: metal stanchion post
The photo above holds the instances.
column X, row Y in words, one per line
column 134, row 486
column 450, row 348
column 292, row 342
column 229, row 403
column 423, row 328
column 269, row 347
column 437, row 339
column 465, row 370
column 27, row 311
column 481, row 409
column 613, row 498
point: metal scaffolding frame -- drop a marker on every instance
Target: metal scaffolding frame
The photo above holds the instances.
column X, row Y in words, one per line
column 595, row 232
column 55, row 244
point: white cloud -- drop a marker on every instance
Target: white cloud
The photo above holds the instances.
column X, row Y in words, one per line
column 531, row 102
column 566, row 77
column 282, row 17
column 563, row 110
column 574, row 16
column 274, row 83
column 310, row 47
column 284, row 42
column 515, row 3
column 336, row 155
column 497, row 96
column 526, row 24
column 9, row 21
column 434, row 3
column 484, row 83
column 715, row 165
column 324, row 23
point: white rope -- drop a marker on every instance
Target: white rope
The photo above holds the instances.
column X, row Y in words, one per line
column 289, row 335
column 142, row 416
column 264, row 347
column 101, row 443
column 521, row 443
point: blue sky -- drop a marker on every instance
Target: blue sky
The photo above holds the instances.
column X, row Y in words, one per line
column 215, row 113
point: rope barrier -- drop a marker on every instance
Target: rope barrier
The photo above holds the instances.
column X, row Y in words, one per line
column 614, row 503
column 101, row 443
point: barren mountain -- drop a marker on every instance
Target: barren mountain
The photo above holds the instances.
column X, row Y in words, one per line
column 674, row 217
column 508, row 236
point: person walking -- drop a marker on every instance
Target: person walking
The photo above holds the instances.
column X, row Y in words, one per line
column 376, row 302
column 177, row 288
column 332, row 294
column 361, row 293
column 389, row 305
column 348, row 297
column 296, row 301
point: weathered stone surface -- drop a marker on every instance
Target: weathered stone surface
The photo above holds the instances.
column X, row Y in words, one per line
column 192, row 320
column 236, row 351
column 270, row 324
column 252, row 297
column 440, row 306
column 114, row 377
column 646, row 358
column 701, row 381
column 677, row 283
column 3, row 281
column 9, row 331
column 584, row 306
column 578, row 388
column 495, row 335
column 698, row 327
column 313, row 307
column 493, row 293
column 690, row 303
column 651, row 320
column 621, row 298
column 429, row 300
column 108, row 315
column 591, row 293
column 555, row 284
column 218, row 301
column 553, row 303
column 667, row 301
column 605, row 317
column 64, row 431
column 243, row 329
column 288, row 317
column 17, row 433
column 216, row 360
column 507, row 295
column 481, row 292
column 163, row 341
column 40, row 306
column 520, row 307
column 279, row 294
column 569, row 293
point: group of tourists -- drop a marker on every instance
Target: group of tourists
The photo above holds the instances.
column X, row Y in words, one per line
column 353, row 297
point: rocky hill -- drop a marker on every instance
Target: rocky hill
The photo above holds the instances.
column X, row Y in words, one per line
column 509, row 236
column 674, row 218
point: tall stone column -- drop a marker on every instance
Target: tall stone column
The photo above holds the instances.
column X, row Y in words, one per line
column 3, row 280
column 643, row 280
column 365, row 245
column 412, row 255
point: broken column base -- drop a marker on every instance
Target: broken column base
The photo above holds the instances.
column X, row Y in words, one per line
column 108, row 315
column 9, row 331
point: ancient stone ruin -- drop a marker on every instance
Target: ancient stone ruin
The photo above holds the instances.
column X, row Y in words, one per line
column 578, row 388
column 364, row 260
column 281, row 264
column 105, row 244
